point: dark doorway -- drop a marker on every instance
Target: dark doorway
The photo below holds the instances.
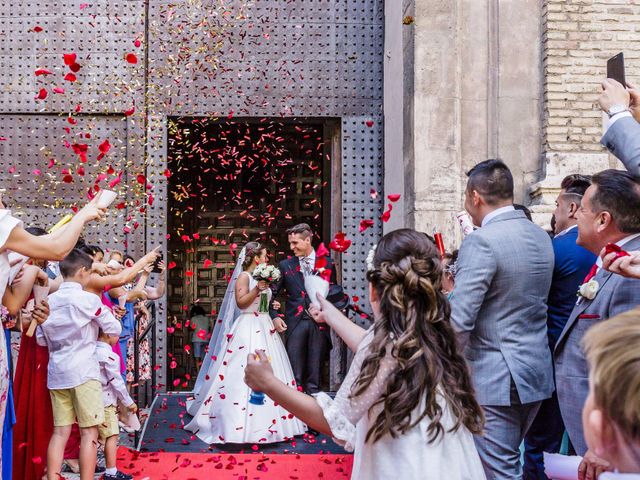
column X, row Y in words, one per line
column 233, row 181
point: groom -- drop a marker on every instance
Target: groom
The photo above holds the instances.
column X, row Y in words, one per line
column 307, row 345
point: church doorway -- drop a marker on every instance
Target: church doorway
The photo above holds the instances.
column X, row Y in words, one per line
column 232, row 181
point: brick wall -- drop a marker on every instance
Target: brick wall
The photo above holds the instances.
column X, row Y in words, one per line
column 579, row 36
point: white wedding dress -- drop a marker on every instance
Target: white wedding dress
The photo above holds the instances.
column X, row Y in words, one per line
column 221, row 409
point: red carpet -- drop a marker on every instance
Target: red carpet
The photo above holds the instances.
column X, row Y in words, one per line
column 196, row 466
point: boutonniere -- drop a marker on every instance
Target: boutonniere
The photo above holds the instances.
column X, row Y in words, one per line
column 589, row 289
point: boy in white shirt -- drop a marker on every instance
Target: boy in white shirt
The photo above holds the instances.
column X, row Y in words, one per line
column 113, row 390
column 73, row 379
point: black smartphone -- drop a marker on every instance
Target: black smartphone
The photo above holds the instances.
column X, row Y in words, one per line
column 156, row 264
column 615, row 68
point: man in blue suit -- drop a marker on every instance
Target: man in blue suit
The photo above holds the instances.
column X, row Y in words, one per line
column 572, row 265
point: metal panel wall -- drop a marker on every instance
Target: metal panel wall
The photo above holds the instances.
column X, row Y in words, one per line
column 35, row 35
column 268, row 58
column 271, row 58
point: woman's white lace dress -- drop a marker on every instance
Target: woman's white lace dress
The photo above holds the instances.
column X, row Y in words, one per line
column 452, row 456
column 221, row 409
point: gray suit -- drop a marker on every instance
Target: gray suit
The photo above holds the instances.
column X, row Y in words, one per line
column 623, row 140
column 499, row 308
column 615, row 295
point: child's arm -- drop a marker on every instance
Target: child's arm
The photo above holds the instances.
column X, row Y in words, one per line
column 112, row 368
column 105, row 319
column 40, row 338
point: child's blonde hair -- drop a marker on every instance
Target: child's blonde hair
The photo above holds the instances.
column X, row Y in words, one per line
column 613, row 351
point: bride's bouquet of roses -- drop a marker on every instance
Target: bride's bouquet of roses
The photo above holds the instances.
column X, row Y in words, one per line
column 265, row 273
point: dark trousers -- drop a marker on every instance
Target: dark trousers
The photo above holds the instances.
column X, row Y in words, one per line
column 307, row 347
column 544, row 435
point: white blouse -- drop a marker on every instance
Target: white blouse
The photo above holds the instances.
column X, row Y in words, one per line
column 7, row 224
column 408, row 456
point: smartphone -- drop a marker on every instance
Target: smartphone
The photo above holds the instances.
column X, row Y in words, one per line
column 156, row 264
column 615, row 68
column 613, row 248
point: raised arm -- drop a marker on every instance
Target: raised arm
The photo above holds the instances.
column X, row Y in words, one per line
column 154, row 293
column 98, row 283
column 54, row 246
column 623, row 140
column 475, row 269
column 348, row 331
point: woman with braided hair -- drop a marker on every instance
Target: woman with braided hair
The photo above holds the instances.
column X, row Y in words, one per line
column 407, row 407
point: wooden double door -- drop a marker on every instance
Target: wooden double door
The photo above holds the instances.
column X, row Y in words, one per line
column 232, row 182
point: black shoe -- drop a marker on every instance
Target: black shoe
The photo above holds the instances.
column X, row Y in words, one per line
column 118, row 476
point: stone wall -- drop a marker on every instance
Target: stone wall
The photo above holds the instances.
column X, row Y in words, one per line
column 578, row 38
column 474, row 71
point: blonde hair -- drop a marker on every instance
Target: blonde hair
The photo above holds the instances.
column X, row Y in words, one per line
column 613, row 352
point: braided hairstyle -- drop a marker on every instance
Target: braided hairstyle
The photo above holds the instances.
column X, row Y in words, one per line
column 414, row 322
column 251, row 251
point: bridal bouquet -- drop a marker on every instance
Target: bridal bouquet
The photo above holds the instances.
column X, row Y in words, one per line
column 265, row 273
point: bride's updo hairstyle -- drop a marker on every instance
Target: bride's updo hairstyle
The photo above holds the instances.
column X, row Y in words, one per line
column 414, row 322
column 251, row 251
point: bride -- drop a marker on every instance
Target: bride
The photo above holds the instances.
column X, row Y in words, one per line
column 221, row 409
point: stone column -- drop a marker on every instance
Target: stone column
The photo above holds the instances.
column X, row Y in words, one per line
column 472, row 77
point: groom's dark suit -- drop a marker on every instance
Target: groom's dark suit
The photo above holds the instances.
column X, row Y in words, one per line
column 307, row 345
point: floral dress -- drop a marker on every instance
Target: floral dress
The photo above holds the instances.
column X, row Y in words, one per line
column 144, row 352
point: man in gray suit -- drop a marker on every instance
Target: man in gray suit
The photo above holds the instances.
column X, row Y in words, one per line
column 499, row 308
column 622, row 137
column 608, row 214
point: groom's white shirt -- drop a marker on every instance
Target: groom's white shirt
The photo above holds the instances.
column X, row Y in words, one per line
column 312, row 261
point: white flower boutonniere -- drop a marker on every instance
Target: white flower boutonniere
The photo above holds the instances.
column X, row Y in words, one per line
column 589, row 289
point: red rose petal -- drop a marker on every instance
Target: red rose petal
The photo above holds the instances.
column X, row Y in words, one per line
column 70, row 77
column 322, row 251
column 105, row 146
column 42, row 71
column 42, row 94
column 74, row 67
column 37, row 29
column 365, row 224
column 131, row 58
column 387, row 215
column 69, row 58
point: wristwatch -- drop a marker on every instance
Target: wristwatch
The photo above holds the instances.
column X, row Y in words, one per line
column 616, row 109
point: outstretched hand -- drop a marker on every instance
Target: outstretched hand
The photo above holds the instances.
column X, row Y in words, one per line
column 326, row 312
column 92, row 211
column 258, row 374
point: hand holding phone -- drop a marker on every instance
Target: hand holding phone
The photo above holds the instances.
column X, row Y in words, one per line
column 615, row 68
